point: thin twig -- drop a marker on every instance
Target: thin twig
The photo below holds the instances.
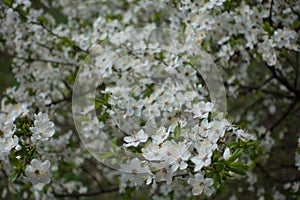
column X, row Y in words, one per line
column 270, row 12
column 283, row 116
column 47, row 29
column 256, row 87
column 283, row 81
column 292, row 8
column 76, row 195
column 41, row 60
column 297, row 70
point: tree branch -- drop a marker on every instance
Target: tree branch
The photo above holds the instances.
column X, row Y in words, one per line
column 41, row 60
column 283, row 81
column 297, row 70
column 283, row 116
column 77, row 195
column 46, row 28
column 256, row 87
column 270, row 12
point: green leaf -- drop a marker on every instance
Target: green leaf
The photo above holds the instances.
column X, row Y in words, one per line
column 157, row 17
column 235, row 155
column 14, row 161
column 15, row 174
column 103, row 116
column 226, row 175
column 268, row 28
column 149, row 90
column 13, row 177
column 217, row 180
column 177, row 131
column 239, row 164
column 232, row 145
column 118, row 17
column 215, row 156
column 68, row 42
column 114, row 141
column 104, row 155
column 98, row 100
column 106, row 97
column 220, row 166
column 237, row 170
column 42, row 20
column 102, row 102
column 8, row 2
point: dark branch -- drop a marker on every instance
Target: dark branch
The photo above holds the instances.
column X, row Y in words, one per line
column 77, row 195
column 270, row 12
column 297, row 70
column 284, row 81
column 292, row 8
column 257, row 87
column 40, row 60
column 283, row 116
column 46, row 28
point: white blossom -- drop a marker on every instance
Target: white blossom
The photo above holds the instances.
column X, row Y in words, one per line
column 7, row 144
column 136, row 172
column 38, row 172
column 202, row 109
column 201, row 160
column 226, row 154
column 201, row 184
column 43, row 128
column 153, row 90
column 136, row 139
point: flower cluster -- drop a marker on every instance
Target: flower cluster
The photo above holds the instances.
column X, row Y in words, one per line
column 165, row 121
column 8, row 116
column 18, row 144
column 38, row 172
column 157, row 116
column 43, row 128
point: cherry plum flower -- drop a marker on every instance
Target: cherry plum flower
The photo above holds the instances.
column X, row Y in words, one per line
column 43, row 128
column 38, row 172
column 135, row 172
column 136, row 139
column 202, row 109
column 201, row 184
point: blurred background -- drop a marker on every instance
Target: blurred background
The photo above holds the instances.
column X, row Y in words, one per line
column 6, row 76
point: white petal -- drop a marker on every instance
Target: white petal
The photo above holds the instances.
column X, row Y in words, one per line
column 226, row 153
